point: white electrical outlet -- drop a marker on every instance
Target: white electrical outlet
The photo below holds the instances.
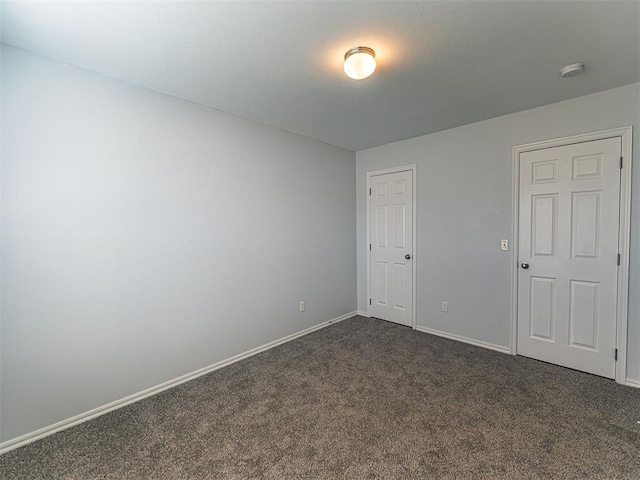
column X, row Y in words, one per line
column 504, row 245
column 445, row 306
column 302, row 306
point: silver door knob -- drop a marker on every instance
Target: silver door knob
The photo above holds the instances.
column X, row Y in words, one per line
column 525, row 265
column 407, row 256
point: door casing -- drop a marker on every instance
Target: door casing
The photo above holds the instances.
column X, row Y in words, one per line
column 405, row 168
column 625, row 135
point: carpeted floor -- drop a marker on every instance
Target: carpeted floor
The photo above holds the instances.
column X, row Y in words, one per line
column 360, row 399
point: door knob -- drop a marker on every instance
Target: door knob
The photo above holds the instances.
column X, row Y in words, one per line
column 407, row 256
column 525, row 265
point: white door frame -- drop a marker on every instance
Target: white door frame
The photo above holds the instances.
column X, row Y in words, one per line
column 405, row 168
column 625, row 134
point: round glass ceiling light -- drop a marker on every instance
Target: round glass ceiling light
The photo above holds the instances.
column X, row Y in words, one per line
column 359, row 62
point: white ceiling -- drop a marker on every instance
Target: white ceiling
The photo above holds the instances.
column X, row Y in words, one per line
column 441, row 64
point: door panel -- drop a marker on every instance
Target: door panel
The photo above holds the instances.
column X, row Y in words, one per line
column 400, row 272
column 569, row 212
column 585, row 225
column 381, row 284
column 391, row 204
column 381, row 226
column 544, row 225
column 542, row 308
column 400, row 226
column 583, row 319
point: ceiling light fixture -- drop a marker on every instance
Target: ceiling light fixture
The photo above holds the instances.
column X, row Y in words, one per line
column 572, row 70
column 359, row 62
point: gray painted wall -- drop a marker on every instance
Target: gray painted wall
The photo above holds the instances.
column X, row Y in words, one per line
column 144, row 237
column 464, row 209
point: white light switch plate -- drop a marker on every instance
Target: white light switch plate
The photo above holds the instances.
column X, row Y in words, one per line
column 504, row 245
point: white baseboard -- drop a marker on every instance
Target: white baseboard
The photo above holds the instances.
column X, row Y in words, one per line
column 363, row 314
column 491, row 346
column 109, row 407
column 460, row 338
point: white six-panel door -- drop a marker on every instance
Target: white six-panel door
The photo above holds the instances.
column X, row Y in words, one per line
column 568, row 252
column 391, row 237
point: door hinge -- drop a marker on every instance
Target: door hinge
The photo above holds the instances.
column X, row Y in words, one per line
column 621, row 162
column 369, row 301
column 369, row 191
column 369, row 246
column 618, row 259
column 615, row 355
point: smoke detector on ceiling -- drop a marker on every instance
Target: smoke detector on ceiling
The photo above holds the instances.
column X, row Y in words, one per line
column 572, row 70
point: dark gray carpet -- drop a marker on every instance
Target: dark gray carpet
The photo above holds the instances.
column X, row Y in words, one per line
column 360, row 399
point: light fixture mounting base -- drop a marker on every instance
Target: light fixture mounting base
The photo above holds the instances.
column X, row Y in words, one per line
column 360, row 50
